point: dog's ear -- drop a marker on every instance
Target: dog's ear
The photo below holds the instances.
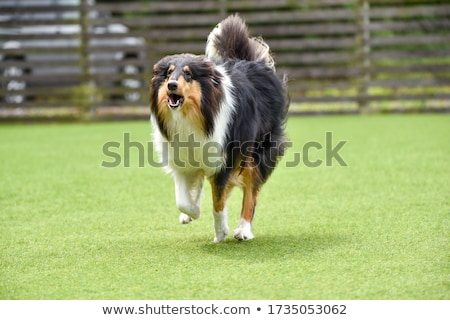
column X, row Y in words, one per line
column 157, row 69
column 161, row 66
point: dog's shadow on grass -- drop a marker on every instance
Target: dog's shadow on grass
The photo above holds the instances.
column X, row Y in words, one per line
column 269, row 247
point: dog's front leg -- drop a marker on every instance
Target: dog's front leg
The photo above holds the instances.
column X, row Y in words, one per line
column 188, row 191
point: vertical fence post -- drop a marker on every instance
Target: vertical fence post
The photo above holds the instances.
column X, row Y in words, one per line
column 87, row 89
column 363, row 53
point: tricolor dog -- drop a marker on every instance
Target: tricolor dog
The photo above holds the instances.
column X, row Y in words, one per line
column 227, row 109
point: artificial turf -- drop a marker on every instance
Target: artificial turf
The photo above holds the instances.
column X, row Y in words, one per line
column 377, row 228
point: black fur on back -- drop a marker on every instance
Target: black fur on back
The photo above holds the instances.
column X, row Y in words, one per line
column 256, row 134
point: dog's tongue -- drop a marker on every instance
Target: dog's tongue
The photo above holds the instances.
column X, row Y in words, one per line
column 172, row 99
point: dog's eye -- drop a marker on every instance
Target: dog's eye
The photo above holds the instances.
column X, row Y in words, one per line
column 169, row 71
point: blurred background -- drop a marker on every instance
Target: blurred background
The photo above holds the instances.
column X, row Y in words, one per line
column 86, row 59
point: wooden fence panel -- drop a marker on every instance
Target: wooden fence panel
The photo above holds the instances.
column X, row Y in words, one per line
column 346, row 55
column 410, row 51
column 39, row 57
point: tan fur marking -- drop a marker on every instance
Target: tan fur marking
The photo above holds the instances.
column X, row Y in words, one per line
column 163, row 109
column 220, row 200
column 191, row 108
column 249, row 181
column 250, row 191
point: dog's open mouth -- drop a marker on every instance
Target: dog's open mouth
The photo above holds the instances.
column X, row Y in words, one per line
column 175, row 101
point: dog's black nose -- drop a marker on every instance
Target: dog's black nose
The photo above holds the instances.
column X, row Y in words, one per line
column 172, row 85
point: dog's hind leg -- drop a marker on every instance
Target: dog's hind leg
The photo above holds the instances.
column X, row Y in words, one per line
column 220, row 213
column 250, row 190
column 188, row 191
column 244, row 229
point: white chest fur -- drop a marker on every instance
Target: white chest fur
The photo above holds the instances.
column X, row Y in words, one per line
column 189, row 149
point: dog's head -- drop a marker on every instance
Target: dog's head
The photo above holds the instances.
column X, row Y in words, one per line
column 188, row 84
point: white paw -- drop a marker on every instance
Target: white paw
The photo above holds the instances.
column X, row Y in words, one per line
column 243, row 231
column 220, row 225
column 185, row 219
column 221, row 235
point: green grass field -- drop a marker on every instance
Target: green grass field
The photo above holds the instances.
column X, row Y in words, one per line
column 377, row 228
